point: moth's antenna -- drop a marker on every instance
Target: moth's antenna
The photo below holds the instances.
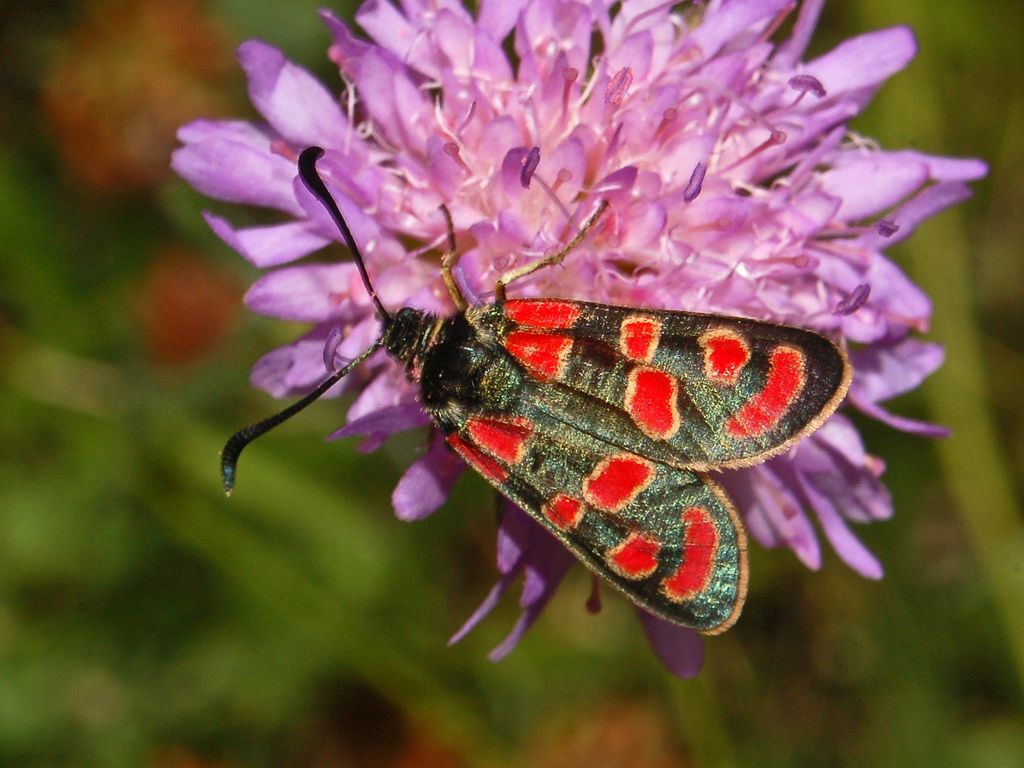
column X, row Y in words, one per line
column 316, row 186
column 233, row 447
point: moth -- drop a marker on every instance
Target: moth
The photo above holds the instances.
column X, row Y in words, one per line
column 605, row 423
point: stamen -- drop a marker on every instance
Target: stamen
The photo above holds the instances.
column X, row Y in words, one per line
column 280, row 147
column 693, row 186
column 570, row 75
column 857, row 299
column 334, row 339
column 613, row 145
column 452, row 150
column 503, row 262
column 667, row 118
column 775, row 138
column 874, row 464
column 807, row 84
column 564, row 177
column 887, row 227
column 466, row 120
column 530, row 163
column 554, row 198
column 617, row 86
column 721, row 224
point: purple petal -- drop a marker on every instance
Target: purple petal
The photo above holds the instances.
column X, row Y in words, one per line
column 546, row 562
column 522, row 545
column 295, row 368
column 680, row 649
column 883, row 371
column 873, row 182
column 773, row 513
column 729, row 20
column 919, row 208
column 483, row 58
column 513, row 539
column 268, row 246
column 426, row 484
column 850, row 477
column 807, row 19
column 488, row 604
column 902, row 423
column 498, row 17
column 393, row 32
column 824, row 504
column 864, row 61
column 222, row 160
column 378, row 425
column 294, row 102
column 953, row 168
column 846, row 545
column 632, row 58
column 312, row 293
column 399, row 109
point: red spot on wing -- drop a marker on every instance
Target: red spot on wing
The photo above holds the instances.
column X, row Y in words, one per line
column 725, row 355
column 477, row 459
column 764, row 410
column 543, row 354
column 503, row 439
column 638, row 337
column 635, row 558
column 617, row 480
column 700, row 543
column 564, row 512
column 651, row 401
column 542, row 314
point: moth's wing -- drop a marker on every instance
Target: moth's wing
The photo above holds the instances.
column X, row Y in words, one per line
column 667, row 537
column 696, row 391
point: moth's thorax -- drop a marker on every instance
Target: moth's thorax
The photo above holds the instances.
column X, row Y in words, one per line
column 456, row 360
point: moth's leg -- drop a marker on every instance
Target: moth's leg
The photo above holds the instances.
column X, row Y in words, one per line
column 551, row 259
column 448, row 262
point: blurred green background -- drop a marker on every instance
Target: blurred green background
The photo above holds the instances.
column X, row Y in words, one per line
column 147, row 621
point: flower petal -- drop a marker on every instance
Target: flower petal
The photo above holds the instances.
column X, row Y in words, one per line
column 294, row 102
column 376, row 426
column 427, row 482
column 498, row 17
column 268, row 246
column 222, row 160
column 864, row 61
column 870, row 182
column 310, row 293
column 680, row 649
column 545, row 562
column 295, row 368
column 922, row 206
column 724, row 21
column 884, row 370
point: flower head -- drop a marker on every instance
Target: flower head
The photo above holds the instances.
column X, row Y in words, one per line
column 735, row 185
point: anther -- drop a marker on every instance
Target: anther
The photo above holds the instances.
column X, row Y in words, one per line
column 618, row 85
column 693, row 186
column 858, row 298
column 530, row 163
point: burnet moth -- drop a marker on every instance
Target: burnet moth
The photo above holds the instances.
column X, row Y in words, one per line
column 604, row 422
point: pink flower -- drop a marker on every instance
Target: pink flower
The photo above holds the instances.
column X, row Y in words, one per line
column 736, row 185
